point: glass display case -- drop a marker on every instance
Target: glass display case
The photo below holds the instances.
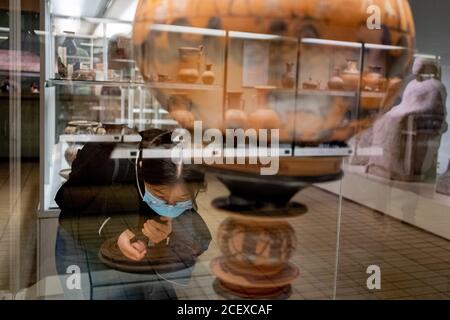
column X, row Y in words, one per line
column 314, row 229
column 317, row 93
column 93, row 92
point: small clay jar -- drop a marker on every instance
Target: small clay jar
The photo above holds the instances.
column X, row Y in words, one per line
column 288, row 79
column 208, row 75
column 264, row 117
column 190, row 63
column 114, row 128
column 336, row 82
column 311, row 85
column 351, row 75
column 235, row 117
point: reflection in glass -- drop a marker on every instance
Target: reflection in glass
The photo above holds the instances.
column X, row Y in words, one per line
column 115, row 237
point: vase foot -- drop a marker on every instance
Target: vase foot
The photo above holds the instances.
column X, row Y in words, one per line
column 250, row 284
column 238, row 293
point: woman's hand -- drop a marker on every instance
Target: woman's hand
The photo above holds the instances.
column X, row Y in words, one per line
column 156, row 231
column 135, row 251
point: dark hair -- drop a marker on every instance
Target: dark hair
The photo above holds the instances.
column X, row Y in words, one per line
column 163, row 171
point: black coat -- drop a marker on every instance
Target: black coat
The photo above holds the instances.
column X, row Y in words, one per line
column 102, row 189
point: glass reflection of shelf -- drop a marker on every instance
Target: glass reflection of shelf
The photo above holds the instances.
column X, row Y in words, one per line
column 68, row 82
column 156, row 85
column 283, row 90
column 85, row 138
column 165, row 122
column 338, row 93
column 320, row 92
column 184, row 86
column 150, row 111
column 322, row 151
column 23, row 74
column 371, row 94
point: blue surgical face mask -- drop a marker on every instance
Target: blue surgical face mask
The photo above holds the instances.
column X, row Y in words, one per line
column 166, row 210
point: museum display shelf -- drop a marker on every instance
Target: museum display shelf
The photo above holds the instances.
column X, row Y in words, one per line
column 135, row 84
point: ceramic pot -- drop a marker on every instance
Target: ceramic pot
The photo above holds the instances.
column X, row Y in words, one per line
column 117, row 128
column 189, row 63
column 256, row 245
column 373, row 80
column 81, row 127
column 351, row 76
column 288, row 79
column 208, row 75
column 235, row 117
column 84, row 75
column 311, row 85
column 336, row 82
column 264, row 117
column 100, row 131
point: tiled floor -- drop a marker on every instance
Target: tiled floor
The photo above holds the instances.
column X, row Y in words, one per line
column 414, row 264
column 29, row 200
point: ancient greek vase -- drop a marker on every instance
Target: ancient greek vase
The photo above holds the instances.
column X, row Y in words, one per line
column 336, row 82
column 351, row 75
column 208, row 75
column 235, row 116
column 264, row 117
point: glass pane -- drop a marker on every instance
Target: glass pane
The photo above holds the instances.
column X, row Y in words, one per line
column 136, row 140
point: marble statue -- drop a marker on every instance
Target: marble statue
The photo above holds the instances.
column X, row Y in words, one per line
column 409, row 134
